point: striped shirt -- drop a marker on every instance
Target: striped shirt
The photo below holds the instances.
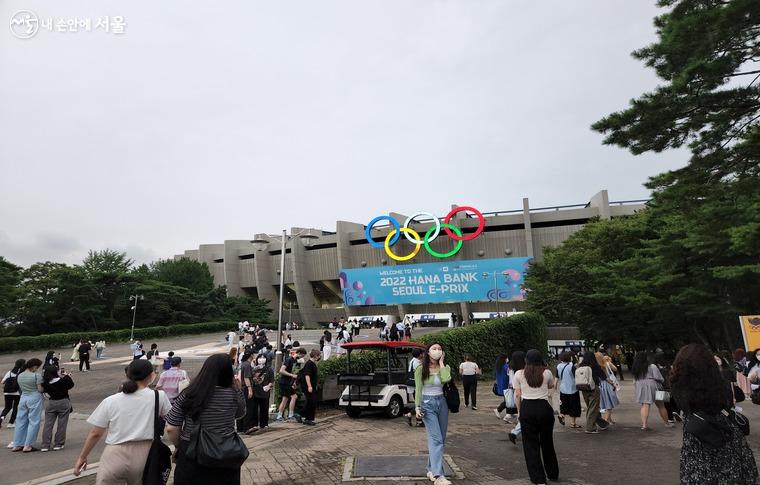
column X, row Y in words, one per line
column 225, row 405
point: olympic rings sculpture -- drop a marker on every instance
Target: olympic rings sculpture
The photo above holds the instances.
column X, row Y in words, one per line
column 413, row 236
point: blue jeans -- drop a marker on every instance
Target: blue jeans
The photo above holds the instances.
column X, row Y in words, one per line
column 435, row 415
column 28, row 419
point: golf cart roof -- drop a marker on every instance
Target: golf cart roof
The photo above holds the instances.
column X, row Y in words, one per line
column 382, row 344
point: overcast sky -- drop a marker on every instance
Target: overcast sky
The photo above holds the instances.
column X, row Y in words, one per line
column 208, row 121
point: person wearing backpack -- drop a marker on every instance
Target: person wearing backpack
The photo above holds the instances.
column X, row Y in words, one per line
column 588, row 375
column 12, row 394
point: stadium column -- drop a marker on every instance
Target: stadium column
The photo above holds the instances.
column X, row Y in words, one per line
column 304, row 290
column 601, row 200
column 262, row 273
column 528, row 230
column 343, row 230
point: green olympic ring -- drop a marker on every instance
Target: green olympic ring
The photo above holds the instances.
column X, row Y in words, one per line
column 436, row 254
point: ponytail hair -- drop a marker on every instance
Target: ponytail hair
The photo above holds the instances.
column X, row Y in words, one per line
column 137, row 371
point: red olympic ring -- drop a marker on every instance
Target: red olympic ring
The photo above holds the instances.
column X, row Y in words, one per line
column 481, row 223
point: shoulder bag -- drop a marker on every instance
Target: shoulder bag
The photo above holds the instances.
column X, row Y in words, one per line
column 213, row 449
column 158, row 466
column 451, row 393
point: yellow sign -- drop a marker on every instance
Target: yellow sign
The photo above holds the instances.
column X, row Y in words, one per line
column 750, row 325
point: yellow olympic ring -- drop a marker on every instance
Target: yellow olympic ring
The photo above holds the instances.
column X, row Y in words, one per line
column 409, row 256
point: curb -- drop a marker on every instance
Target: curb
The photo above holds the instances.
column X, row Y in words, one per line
column 297, row 430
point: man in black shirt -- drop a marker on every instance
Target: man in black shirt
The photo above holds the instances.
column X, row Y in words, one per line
column 287, row 386
column 246, row 373
column 84, row 355
column 309, row 386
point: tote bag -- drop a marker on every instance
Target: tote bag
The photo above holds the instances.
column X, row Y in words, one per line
column 158, row 466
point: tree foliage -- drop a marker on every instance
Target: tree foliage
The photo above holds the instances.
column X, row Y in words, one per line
column 690, row 263
column 94, row 296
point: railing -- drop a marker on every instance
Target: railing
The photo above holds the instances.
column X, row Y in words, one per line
column 532, row 209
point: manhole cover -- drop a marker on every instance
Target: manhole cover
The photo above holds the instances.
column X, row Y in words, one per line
column 394, row 466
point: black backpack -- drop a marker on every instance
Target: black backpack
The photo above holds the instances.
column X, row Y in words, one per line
column 11, row 384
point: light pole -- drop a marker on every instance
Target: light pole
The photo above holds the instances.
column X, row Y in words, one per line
column 134, row 298
column 496, row 286
column 265, row 240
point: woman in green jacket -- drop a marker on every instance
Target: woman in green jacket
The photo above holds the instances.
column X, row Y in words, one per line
column 429, row 378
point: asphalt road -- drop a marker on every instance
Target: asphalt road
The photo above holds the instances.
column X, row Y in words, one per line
column 103, row 380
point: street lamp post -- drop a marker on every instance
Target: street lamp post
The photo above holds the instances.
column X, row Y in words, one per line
column 494, row 275
column 304, row 234
column 134, row 298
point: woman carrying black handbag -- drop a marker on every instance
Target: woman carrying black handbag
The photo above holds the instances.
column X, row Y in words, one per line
column 201, row 424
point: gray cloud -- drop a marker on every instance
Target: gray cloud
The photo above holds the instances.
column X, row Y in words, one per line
column 206, row 122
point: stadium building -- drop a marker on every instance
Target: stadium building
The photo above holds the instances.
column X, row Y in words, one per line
column 333, row 274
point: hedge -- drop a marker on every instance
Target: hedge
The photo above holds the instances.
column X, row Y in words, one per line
column 485, row 341
column 56, row 340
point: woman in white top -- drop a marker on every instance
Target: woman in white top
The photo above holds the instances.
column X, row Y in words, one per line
column 128, row 419
column 470, row 371
column 532, row 386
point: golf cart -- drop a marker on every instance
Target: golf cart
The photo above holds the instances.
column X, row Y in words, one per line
column 386, row 386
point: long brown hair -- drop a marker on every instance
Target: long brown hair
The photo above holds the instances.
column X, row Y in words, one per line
column 534, row 368
column 426, row 361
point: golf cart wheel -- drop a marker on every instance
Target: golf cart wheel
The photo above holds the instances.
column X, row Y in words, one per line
column 395, row 407
column 353, row 412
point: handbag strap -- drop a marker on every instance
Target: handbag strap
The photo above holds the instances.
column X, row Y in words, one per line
column 156, row 434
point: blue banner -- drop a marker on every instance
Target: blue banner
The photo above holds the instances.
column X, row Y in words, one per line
column 452, row 281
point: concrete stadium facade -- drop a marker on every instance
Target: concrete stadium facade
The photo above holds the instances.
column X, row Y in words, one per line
column 314, row 259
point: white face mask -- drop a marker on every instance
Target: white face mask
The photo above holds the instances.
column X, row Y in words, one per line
column 435, row 354
column 301, row 360
column 262, row 361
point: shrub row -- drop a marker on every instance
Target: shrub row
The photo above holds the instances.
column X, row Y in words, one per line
column 484, row 341
column 56, row 340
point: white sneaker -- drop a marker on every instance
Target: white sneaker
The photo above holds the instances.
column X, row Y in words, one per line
column 498, row 413
column 442, row 481
column 11, row 445
column 430, row 476
column 12, row 425
column 44, row 449
column 57, row 448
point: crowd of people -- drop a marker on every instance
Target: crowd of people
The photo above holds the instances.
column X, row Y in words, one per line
column 232, row 392
column 696, row 388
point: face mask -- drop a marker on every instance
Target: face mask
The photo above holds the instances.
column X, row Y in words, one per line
column 435, row 354
column 301, row 360
column 262, row 361
column 718, row 362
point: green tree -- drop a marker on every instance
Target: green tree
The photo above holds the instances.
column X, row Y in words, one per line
column 184, row 272
column 706, row 213
column 10, row 280
column 241, row 308
column 108, row 270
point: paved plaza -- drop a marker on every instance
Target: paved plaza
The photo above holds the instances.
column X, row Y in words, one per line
column 477, row 446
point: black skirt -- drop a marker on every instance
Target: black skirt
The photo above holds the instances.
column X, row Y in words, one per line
column 570, row 404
